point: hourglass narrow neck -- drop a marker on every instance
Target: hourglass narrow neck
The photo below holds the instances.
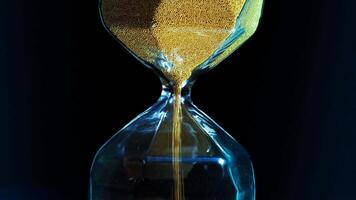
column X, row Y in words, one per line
column 170, row 91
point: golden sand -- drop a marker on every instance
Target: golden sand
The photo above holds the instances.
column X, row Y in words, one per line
column 187, row 32
column 178, row 184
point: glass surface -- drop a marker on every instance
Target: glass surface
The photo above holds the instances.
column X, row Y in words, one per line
column 173, row 150
column 136, row 162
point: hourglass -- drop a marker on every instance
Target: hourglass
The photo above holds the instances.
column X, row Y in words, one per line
column 173, row 150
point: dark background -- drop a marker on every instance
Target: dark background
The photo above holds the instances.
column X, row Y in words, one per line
column 288, row 96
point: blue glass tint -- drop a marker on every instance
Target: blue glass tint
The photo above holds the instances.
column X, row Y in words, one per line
column 136, row 163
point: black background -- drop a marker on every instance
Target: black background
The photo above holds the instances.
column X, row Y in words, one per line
column 288, row 96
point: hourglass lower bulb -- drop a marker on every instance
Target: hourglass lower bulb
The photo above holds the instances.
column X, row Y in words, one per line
column 173, row 150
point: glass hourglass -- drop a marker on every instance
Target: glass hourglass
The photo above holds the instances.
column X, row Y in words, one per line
column 173, row 150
